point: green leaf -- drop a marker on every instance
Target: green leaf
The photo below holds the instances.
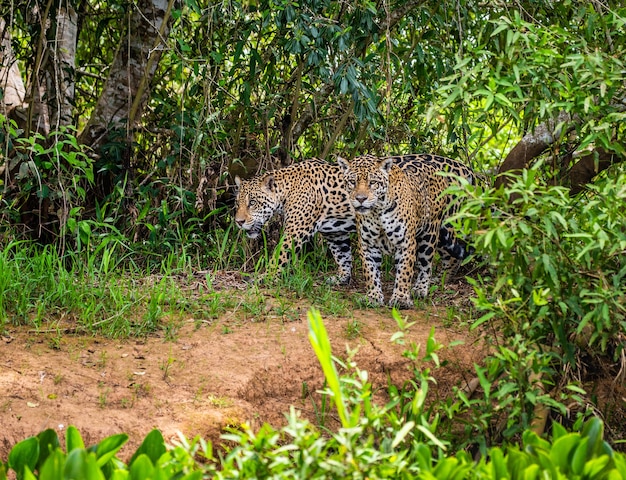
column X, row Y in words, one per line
column 403, row 432
column 52, row 469
column 562, row 449
column 596, row 466
column 318, row 337
column 73, row 440
column 108, row 447
column 24, row 454
column 580, row 457
column 28, row 475
column 431, row 437
column 141, row 468
column 444, row 468
column 120, row 475
column 48, row 442
column 498, row 464
column 153, row 446
column 593, row 430
column 82, row 465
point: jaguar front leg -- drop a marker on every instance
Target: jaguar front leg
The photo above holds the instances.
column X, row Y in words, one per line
column 339, row 246
column 405, row 272
column 371, row 254
column 425, row 254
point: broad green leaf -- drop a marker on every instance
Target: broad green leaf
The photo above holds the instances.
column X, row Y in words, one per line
column 153, row 446
column 52, row 469
column 82, row 465
column 24, row 454
column 28, row 475
column 595, row 466
column 580, row 456
column 563, row 449
column 498, row 463
column 593, row 430
column 108, row 447
column 48, row 442
column 120, row 475
column 142, row 468
column 73, row 439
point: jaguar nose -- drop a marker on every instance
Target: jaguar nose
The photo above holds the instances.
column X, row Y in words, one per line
column 240, row 221
column 360, row 198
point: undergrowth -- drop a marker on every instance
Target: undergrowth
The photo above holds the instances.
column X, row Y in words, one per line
column 111, row 287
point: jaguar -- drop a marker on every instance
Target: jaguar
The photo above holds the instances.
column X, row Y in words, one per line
column 401, row 208
column 312, row 197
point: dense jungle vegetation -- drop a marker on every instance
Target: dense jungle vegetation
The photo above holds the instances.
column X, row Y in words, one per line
column 123, row 124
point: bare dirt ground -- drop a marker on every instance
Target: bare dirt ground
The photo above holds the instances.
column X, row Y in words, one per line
column 222, row 374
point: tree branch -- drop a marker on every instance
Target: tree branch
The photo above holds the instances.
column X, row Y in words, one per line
column 534, row 144
column 589, row 166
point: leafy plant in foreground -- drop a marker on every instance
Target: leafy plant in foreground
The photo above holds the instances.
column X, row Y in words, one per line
column 41, row 457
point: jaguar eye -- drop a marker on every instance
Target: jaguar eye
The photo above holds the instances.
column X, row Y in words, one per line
column 252, row 203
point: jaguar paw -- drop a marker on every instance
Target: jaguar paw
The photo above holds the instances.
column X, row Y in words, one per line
column 402, row 302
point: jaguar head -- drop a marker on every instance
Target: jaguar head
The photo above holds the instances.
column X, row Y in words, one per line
column 367, row 181
column 255, row 204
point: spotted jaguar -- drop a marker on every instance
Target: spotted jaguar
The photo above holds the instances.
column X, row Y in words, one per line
column 311, row 195
column 401, row 208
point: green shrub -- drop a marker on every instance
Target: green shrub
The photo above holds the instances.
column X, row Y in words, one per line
column 557, row 262
column 553, row 289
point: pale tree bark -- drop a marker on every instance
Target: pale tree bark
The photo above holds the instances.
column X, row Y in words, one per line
column 125, row 91
column 61, row 67
column 11, row 83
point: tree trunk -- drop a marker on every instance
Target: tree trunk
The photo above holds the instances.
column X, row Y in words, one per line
column 10, row 79
column 61, row 67
column 532, row 145
column 125, row 91
column 589, row 166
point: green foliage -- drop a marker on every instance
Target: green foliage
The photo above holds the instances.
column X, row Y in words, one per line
column 37, row 284
column 300, row 451
column 243, row 86
column 103, row 290
column 552, row 291
column 521, row 68
column 557, row 261
column 52, row 171
column 41, row 457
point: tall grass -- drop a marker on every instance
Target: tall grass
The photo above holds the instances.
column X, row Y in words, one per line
column 112, row 287
column 39, row 286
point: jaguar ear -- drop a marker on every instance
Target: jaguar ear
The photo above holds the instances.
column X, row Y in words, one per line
column 343, row 163
column 269, row 183
column 386, row 164
column 237, row 181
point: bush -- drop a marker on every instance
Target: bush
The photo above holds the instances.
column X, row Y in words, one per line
column 558, row 262
column 553, row 293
